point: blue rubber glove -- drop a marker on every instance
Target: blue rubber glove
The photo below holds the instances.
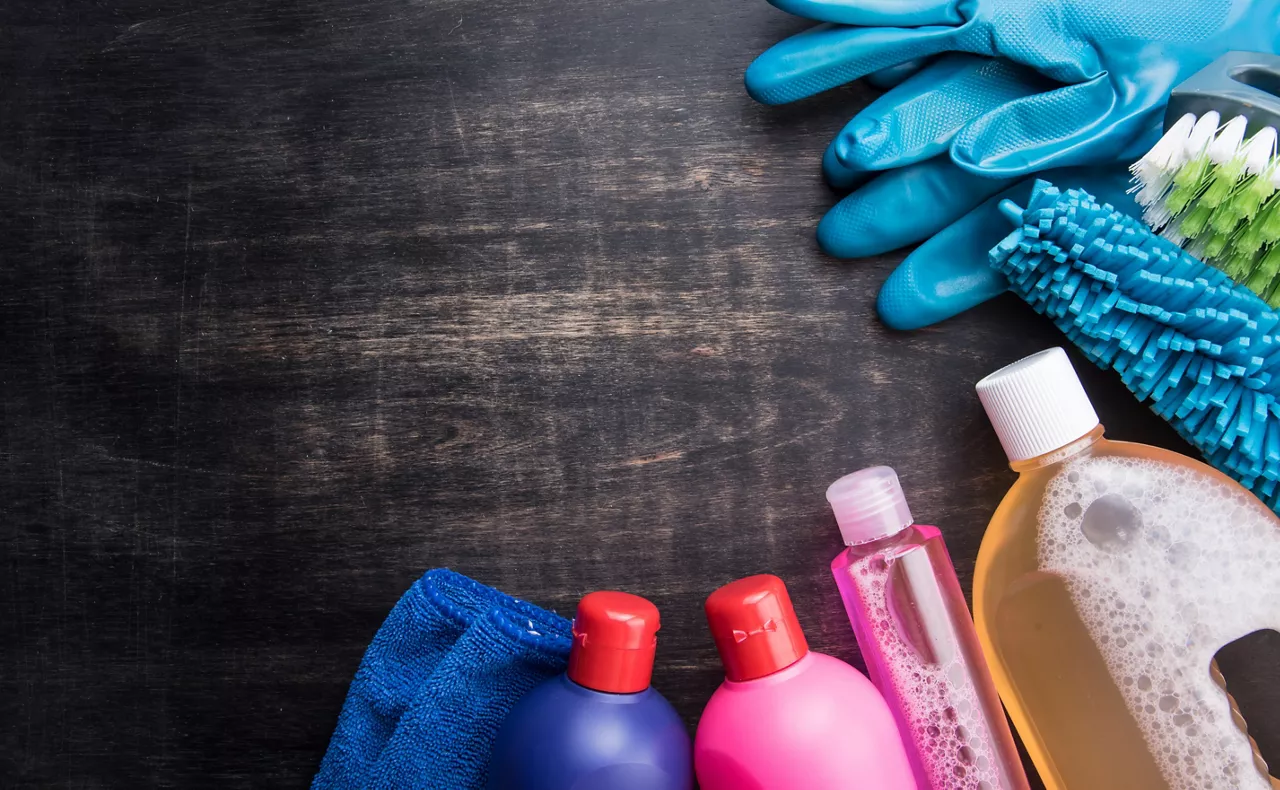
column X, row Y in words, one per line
column 987, row 92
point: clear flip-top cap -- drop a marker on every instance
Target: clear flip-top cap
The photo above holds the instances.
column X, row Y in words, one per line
column 869, row 505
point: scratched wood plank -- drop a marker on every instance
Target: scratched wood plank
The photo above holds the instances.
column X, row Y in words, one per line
column 302, row 299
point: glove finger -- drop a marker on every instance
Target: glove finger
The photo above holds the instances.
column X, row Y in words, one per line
column 950, row 273
column 829, row 55
column 839, row 175
column 875, row 13
column 902, row 207
column 920, row 118
column 1074, row 125
column 893, row 76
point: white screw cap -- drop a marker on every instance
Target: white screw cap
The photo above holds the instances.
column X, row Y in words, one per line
column 1037, row 405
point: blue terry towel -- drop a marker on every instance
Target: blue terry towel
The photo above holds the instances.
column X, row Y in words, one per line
column 440, row 676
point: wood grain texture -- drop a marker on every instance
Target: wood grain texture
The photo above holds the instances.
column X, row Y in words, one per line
column 300, row 299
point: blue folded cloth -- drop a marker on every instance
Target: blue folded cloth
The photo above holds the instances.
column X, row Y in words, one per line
column 439, row 678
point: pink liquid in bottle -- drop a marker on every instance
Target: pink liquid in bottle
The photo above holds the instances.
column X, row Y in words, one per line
column 918, row 639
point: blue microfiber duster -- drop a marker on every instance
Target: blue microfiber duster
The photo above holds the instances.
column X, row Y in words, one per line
column 1203, row 351
column 439, row 678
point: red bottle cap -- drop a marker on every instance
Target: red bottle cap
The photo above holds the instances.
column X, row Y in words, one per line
column 615, row 635
column 755, row 628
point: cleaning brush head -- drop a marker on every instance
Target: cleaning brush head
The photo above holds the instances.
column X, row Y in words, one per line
column 1201, row 350
column 1214, row 187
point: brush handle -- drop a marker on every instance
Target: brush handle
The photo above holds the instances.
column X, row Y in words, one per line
column 1236, row 84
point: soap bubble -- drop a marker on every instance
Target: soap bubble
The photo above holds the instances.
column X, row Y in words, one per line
column 1111, row 523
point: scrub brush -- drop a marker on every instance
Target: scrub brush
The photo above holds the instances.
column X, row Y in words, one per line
column 1214, row 187
column 1200, row 349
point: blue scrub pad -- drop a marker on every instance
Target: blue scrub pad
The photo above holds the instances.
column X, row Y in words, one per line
column 440, row 676
column 1201, row 350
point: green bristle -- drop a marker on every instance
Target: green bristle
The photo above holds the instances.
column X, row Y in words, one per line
column 1268, row 221
column 1180, row 200
column 1222, row 182
column 1224, row 220
column 1269, row 267
column 1235, row 214
column 1196, row 221
column 1247, row 201
column 1260, row 279
column 1250, row 239
column 1263, row 230
column 1193, row 174
column 1215, row 245
column 1189, row 183
column 1241, row 268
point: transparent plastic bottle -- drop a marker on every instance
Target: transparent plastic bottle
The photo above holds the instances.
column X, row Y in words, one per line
column 918, row 640
column 1110, row 576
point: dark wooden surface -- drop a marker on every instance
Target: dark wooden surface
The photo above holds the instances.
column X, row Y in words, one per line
column 301, row 299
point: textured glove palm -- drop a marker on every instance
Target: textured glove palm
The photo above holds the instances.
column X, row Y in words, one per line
column 998, row 89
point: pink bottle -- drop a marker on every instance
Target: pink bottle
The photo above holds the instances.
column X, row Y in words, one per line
column 916, row 635
column 786, row 718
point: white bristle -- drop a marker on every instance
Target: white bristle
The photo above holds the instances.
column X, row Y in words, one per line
column 1171, row 151
column 1260, row 151
column 1227, row 145
column 1150, row 197
column 1157, row 216
column 1203, row 133
column 1153, row 174
column 1149, row 188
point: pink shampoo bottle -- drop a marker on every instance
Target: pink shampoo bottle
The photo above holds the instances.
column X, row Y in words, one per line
column 787, row 718
column 918, row 639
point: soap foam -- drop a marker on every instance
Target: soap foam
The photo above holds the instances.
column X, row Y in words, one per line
column 939, row 700
column 1165, row 566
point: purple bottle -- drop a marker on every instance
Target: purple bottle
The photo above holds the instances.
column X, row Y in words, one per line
column 599, row 726
column 915, row 632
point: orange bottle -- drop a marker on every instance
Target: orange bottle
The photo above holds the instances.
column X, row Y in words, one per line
column 1108, row 579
